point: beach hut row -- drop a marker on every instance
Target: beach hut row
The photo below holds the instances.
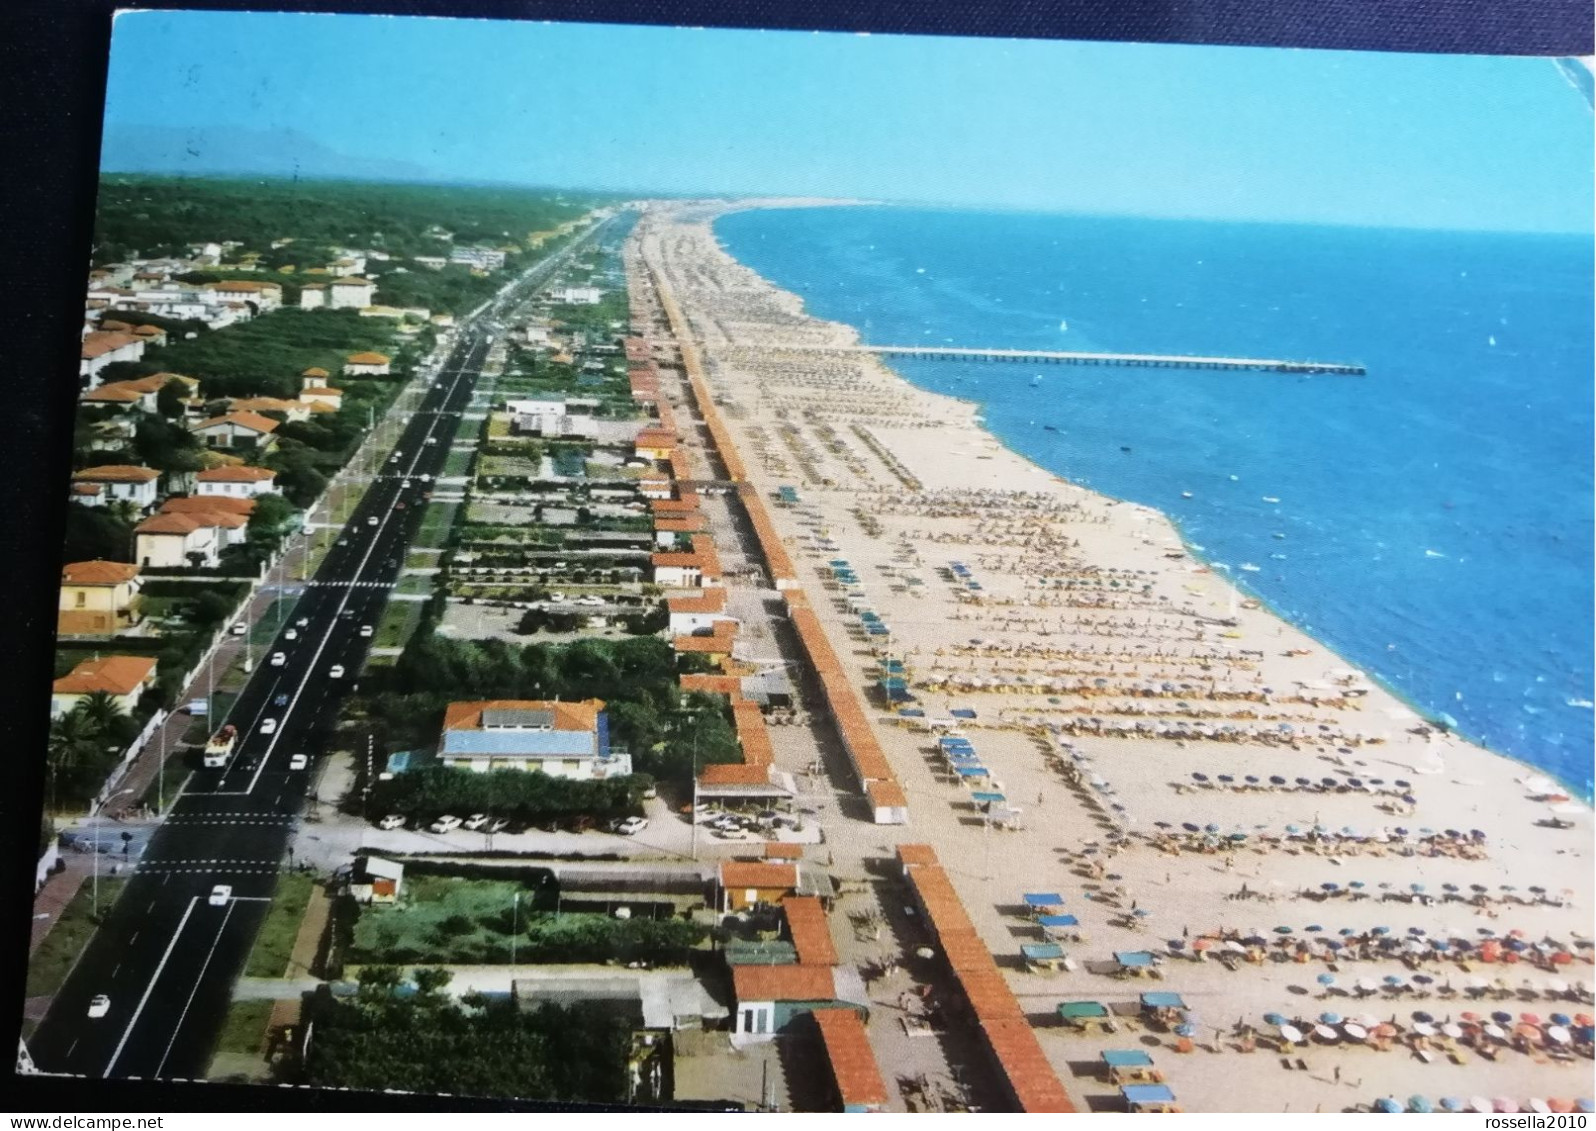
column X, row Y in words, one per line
column 1017, row 1055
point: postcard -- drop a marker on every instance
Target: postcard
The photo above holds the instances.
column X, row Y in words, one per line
column 772, row 571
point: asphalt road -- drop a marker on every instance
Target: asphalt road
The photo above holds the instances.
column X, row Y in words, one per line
column 167, row 953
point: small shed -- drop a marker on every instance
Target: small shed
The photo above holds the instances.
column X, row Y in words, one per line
column 375, row 880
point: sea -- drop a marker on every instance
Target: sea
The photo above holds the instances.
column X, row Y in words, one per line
column 1432, row 521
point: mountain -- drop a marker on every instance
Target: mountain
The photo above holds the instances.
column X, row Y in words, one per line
column 223, row 150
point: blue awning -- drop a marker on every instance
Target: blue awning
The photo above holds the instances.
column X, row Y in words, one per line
column 1163, row 1001
column 1043, row 899
column 1147, row 1094
column 963, row 712
column 1041, row 951
column 1126, row 1058
column 971, row 771
column 1058, row 921
column 1133, row 957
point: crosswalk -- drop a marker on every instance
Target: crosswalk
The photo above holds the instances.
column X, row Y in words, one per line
column 352, row 584
column 178, row 819
column 211, row 868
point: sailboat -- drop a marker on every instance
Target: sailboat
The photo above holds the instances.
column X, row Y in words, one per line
column 1063, row 326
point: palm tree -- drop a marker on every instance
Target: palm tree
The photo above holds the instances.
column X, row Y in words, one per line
column 101, row 709
column 74, row 739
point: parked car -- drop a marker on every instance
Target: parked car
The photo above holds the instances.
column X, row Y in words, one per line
column 366, row 630
column 445, row 824
column 731, row 834
column 298, row 761
column 391, row 821
column 497, row 825
column 590, row 600
column 303, row 622
column 335, row 672
column 404, row 485
column 268, row 726
column 279, row 659
column 281, row 700
column 239, row 629
column 372, row 521
column 629, row 826
column 99, row 1006
column 291, row 634
column 220, row 894
column 433, row 439
column 476, row 821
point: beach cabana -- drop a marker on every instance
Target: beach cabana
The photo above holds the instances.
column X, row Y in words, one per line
column 1163, row 1007
column 1148, row 1097
column 1045, row 957
column 1135, row 963
column 986, row 798
column 1062, row 927
column 1086, row 1016
column 1130, row 1066
column 1035, row 901
column 969, row 773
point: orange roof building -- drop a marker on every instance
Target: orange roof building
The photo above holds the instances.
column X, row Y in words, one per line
column 811, row 936
column 124, row 678
column 854, row 1069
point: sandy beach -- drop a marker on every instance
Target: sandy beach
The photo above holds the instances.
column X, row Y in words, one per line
column 1195, row 778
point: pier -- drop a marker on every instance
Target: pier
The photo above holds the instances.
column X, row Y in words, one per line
column 1068, row 357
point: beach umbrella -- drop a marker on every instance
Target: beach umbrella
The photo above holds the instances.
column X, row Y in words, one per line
column 1354, row 1031
column 1415, row 931
column 1453, row 1029
column 1313, row 928
column 1423, row 979
column 1559, row 1105
column 1330, row 1018
column 1539, row 1106
column 1291, row 1033
column 1395, row 980
column 1454, row 1103
column 1347, row 932
column 1381, row 930
column 1185, row 1030
column 1529, row 1018
column 1386, row 1104
column 1503, row 1105
column 1276, row 779
column 1420, row 1015
column 1334, row 944
column 1273, row 1019
column 1480, row 1104
column 1559, row 1035
column 1358, row 884
column 1330, row 885
column 1584, row 1106
column 1501, row 1017
column 1211, row 828
column 1420, row 1105
column 1282, row 930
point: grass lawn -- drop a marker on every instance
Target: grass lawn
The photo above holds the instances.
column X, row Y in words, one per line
column 178, row 769
column 467, row 429
column 435, row 525
column 50, row 964
column 458, row 463
column 278, row 613
column 244, row 1031
column 275, row 942
column 417, row 584
column 399, row 620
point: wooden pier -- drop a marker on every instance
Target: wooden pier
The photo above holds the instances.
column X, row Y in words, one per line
column 1066, row 357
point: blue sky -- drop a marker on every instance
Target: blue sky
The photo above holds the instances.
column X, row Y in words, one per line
column 1233, row 133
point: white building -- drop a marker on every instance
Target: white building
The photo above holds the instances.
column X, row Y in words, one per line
column 577, row 296
column 102, row 347
column 236, row 482
column 482, row 258
column 568, row 740
column 312, row 296
column 117, row 483
column 350, row 293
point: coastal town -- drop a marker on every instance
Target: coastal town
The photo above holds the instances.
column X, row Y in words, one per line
column 557, row 666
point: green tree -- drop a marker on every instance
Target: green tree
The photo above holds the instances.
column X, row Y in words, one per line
column 74, row 747
column 431, row 980
column 97, row 533
column 169, row 401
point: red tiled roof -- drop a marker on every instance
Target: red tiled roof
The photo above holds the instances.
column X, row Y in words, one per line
column 581, row 715
column 98, row 572
column 103, row 342
column 734, row 773
column 853, row 1064
column 758, row 874
column 116, row 473
column 117, row 392
column 783, row 983
column 210, row 504
column 712, row 601
column 368, row 358
column 811, row 937
column 236, row 474
column 118, row 675
column 251, row 420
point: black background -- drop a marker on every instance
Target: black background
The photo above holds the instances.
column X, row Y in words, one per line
column 52, row 86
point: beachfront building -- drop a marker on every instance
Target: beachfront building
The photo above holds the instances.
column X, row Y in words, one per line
column 313, row 296
column 698, row 613
column 770, row 998
column 577, row 296
column 236, row 481
column 176, row 541
column 315, row 390
column 246, row 430
column 97, row 598
column 117, row 483
column 367, row 364
column 100, row 348
column 567, row 740
column 350, row 293
column 478, row 258
column 259, row 297
column 123, row 678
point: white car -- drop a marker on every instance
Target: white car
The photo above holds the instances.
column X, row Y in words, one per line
column 372, row 521
column 298, row 761
column 303, row 622
column 590, row 600
column 99, row 1006
column 432, row 439
column 391, row 821
column 497, row 825
column 445, row 824
column 220, row 894
column 279, row 659
column 268, row 726
column 476, row 821
column 404, row 485
column 732, row 834
column 631, row 826
column 556, row 598
column 336, row 672
column 365, row 630
column 291, row 634
column 237, row 630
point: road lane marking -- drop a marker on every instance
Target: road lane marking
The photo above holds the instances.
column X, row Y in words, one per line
column 198, row 978
column 150, row 988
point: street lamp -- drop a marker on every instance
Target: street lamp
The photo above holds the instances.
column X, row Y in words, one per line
column 515, row 919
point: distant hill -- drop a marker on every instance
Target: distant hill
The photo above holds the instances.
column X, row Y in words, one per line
column 219, row 151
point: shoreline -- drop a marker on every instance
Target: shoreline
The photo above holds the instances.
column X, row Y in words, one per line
column 1100, row 677
column 1583, row 792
